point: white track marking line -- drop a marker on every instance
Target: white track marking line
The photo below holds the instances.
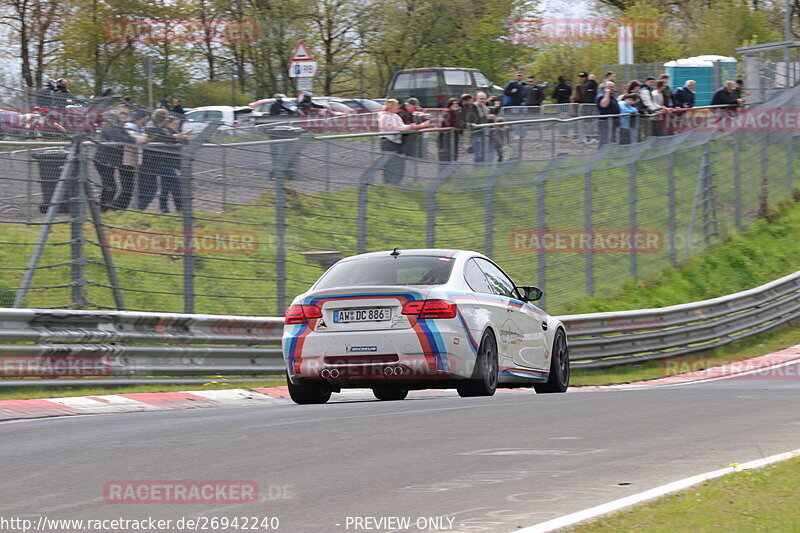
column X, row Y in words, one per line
column 622, row 503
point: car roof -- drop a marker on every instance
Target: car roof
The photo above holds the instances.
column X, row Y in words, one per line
column 424, row 69
column 218, row 108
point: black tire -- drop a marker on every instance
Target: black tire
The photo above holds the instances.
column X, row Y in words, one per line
column 484, row 377
column 309, row 393
column 389, row 392
column 559, row 367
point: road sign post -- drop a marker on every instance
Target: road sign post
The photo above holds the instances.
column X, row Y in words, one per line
column 302, row 67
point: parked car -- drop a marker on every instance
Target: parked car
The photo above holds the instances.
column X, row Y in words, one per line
column 230, row 117
column 433, row 86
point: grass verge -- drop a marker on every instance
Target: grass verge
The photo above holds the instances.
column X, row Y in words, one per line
column 753, row 500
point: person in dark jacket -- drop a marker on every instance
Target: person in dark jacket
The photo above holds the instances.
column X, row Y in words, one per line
column 589, row 87
column 108, row 158
column 409, row 114
column 534, row 95
column 161, row 162
column 607, row 105
column 278, row 107
column 177, row 108
column 514, row 91
column 725, row 95
column 305, row 105
column 684, row 96
column 448, row 140
column 477, row 113
column 561, row 91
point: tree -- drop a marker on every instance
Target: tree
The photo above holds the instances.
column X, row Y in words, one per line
column 33, row 24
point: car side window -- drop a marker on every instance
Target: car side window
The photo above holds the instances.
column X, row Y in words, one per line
column 475, row 278
column 499, row 282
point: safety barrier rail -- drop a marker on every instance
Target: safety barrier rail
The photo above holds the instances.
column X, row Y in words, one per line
column 48, row 343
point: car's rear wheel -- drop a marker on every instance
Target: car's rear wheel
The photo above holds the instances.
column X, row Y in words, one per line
column 309, row 393
column 389, row 392
column 484, row 377
column 558, row 381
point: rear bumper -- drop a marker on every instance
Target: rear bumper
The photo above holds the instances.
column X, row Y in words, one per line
column 358, row 357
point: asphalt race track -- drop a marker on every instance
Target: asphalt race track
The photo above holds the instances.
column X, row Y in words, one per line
column 489, row 464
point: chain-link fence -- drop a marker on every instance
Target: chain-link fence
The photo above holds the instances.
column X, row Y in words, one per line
column 239, row 224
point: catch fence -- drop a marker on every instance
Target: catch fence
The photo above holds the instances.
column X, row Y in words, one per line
column 263, row 213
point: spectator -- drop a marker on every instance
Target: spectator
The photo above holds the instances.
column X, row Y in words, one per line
column 448, row 140
column 161, row 162
column 738, row 92
column 669, row 100
column 108, row 159
column 684, row 96
column 646, row 94
column 607, row 105
column 177, row 108
column 627, row 125
column 499, row 137
column 514, row 91
column 408, row 112
column 60, row 93
column 477, row 114
column 389, row 120
column 306, row 104
column 130, row 157
column 164, row 104
column 589, row 88
column 493, row 104
column 278, row 107
column 725, row 95
column 534, row 95
column 659, row 94
column 562, row 91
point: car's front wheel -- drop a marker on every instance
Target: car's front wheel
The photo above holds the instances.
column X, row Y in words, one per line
column 484, row 377
column 558, row 381
column 389, row 392
column 309, row 393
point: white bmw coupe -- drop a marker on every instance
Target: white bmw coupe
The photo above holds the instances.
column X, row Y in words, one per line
column 418, row 319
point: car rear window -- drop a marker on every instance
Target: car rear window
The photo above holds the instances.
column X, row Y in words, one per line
column 401, row 270
column 416, row 80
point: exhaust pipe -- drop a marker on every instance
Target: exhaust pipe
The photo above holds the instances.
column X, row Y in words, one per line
column 388, row 371
column 398, row 371
column 325, row 373
column 334, row 373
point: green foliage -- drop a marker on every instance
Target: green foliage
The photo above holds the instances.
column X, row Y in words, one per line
column 727, row 24
column 215, row 93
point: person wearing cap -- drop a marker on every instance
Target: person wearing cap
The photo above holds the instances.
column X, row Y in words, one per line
column 562, row 91
column 627, row 125
column 277, row 107
column 408, row 113
column 305, row 105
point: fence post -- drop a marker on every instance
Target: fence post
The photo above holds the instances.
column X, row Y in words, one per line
column 588, row 226
column 224, row 178
column 29, row 187
column 737, row 182
column 763, row 197
column 77, row 204
column 541, row 224
column 673, row 250
column 790, row 163
column 632, row 207
column 503, row 169
column 187, row 204
column 445, row 171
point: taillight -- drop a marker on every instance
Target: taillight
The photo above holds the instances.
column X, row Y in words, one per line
column 301, row 314
column 431, row 309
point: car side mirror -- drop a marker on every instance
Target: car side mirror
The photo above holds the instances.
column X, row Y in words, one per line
column 531, row 293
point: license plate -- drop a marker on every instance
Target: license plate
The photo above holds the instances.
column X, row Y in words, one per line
column 376, row 314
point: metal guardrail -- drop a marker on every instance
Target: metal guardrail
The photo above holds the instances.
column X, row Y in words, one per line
column 118, row 343
column 606, row 339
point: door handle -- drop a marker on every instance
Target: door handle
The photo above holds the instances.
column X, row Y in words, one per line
column 544, row 326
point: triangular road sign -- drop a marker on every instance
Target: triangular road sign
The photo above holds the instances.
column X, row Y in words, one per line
column 301, row 52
